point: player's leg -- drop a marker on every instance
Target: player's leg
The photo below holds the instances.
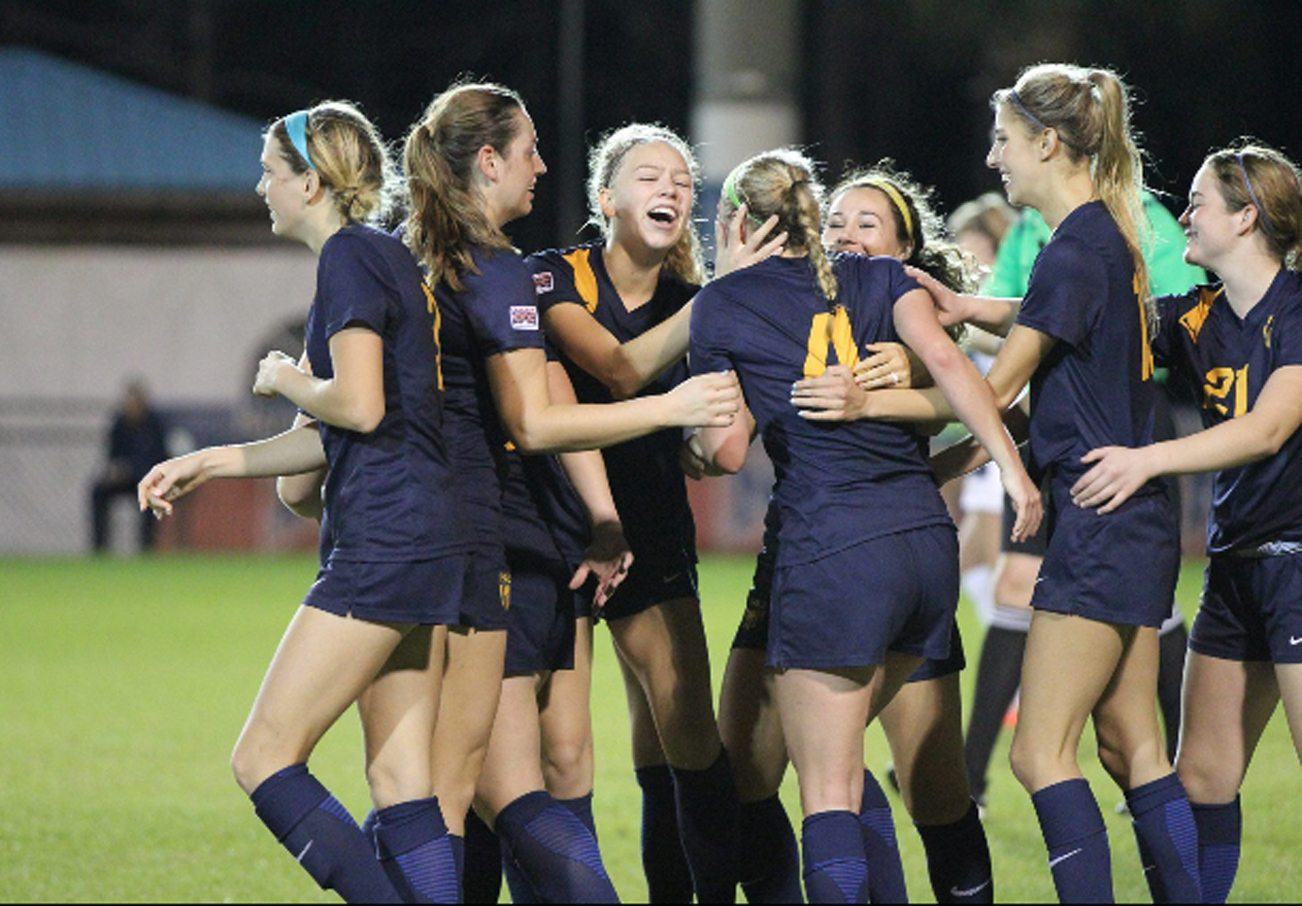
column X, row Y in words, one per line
column 565, row 719
column 999, row 667
column 472, row 683
column 323, row 663
column 1289, row 678
column 1047, row 741
column 1173, row 642
column 1227, row 704
column 553, row 850
column 751, row 729
column 923, row 725
column 668, row 876
column 1133, row 752
column 398, row 710
column 664, row 647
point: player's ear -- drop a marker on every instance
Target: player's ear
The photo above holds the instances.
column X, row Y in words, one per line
column 487, row 162
column 1049, row 143
column 606, row 202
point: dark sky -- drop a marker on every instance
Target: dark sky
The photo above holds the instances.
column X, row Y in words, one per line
column 905, row 79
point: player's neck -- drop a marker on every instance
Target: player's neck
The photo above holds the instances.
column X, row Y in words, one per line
column 1065, row 196
column 1246, row 276
column 315, row 232
column 634, row 273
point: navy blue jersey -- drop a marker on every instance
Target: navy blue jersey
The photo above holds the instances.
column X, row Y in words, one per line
column 837, row 484
column 1226, row 361
column 1094, row 388
column 648, row 486
column 388, row 494
column 494, row 313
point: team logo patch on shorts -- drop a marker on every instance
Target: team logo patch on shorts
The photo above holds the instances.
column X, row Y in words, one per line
column 542, row 283
column 524, row 317
column 504, row 589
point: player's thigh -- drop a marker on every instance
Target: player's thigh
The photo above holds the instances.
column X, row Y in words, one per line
column 512, row 765
column 1289, row 679
column 565, row 720
column 750, row 726
column 1226, row 706
column 1131, row 745
column 823, row 716
column 397, row 711
column 323, row 663
column 647, row 751
column 924, row 727
column 1068, row 664
column 1015, row 576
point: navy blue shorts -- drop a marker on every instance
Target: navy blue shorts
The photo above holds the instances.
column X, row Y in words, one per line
column 540, row 621
column 753, row 631
column 1251, row 609
column 651, row 581
column 1119, row 569
column 428, row 592
column 487, row 597
column 894, row 593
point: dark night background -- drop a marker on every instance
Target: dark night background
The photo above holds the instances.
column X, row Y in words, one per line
column 905, row 79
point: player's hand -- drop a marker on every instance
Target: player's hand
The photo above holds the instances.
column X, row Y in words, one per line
column 1027, row 502
column 833, row 397
column 691, row 459
column 269, row 371
column 705, row 401
column 888, row 366
column 1117, row 474
column 732, row 253
column 171, row 480
column 951, row 307
column 608, row 558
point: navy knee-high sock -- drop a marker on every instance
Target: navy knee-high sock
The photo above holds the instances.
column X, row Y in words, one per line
column 668, row 879
column 581, row 808
column 1220, row 834
column 770, row 856
column 1077, row 840
column 885, row 871
column 557, row 855
column 708, row 815
column 322, row 836
column 521, row 890
column 413, row 842
column 1164, row 825
column 481, row 879
column 836, row 866
column 958, row 860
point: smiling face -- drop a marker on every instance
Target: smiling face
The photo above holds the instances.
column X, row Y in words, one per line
column 284, row 191
column 862, row 220
column 649, row 199
column 1014, row 152
column 518, row 170
column 1211, row 230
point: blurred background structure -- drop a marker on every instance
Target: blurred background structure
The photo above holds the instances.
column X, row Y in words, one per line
column 132, row 243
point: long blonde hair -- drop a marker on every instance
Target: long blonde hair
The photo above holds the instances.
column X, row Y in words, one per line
column 784, row 182
column 349, row 157
column 604, row 160
column 1090, row 110
column 446, row 222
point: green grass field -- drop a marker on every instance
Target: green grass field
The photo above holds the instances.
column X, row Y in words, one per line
column 126, row 683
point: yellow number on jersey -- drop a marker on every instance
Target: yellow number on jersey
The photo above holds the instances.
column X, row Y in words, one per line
column 1220, row 382
column 828, row 331
column 433, row 308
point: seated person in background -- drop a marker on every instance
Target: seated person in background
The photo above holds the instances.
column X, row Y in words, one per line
column 135, row 442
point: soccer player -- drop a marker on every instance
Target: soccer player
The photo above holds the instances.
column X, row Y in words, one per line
column 618, row 309
column 1238, row 344
column 372, row 628
column 854, row 611
column 878, row 211
column 1062, row 145
column 471, row 162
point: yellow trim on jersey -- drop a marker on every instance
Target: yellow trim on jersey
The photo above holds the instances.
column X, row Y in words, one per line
column 585, row 279
column 1146, row 368
column 830, row 329
column 1193, row 319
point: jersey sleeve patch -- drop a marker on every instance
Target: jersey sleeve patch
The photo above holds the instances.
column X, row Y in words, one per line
column 524, row 317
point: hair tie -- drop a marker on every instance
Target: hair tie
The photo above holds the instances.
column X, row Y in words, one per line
column 1011, row 95
column 1261, row 211
column 296, row 128
column 897, row 198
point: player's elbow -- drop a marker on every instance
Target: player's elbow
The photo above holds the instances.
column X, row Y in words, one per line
column 366, row 417
column 299, row 495
column 1271, row 440
column 621, row 377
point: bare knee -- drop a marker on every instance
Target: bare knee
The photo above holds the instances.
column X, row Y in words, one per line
column 399, row 778
column 1036, row 765
column 567, row 767
column 1208, row 780
column 258, row 755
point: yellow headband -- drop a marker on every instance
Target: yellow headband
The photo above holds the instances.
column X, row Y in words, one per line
column 895, row 196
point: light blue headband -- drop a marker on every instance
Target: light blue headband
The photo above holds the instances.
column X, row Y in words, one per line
column 296, row 126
